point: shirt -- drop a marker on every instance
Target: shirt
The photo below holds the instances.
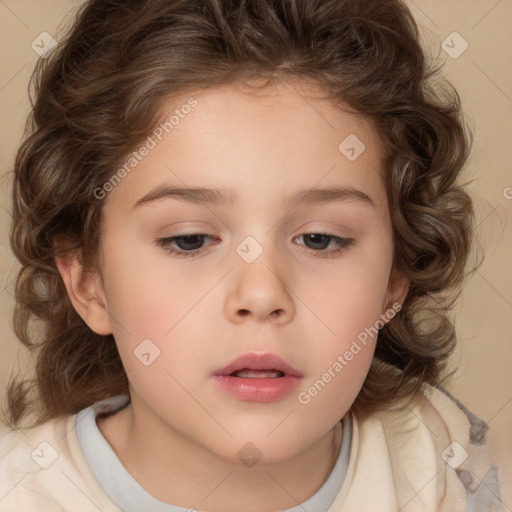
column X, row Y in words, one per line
column 432, row 456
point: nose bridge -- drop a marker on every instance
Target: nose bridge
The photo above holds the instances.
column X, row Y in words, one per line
column 260, row 261
column 261, row 276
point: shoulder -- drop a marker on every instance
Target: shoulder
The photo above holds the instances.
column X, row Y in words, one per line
column 24, row 455
column 432, row 455
column 469, row 453
column 41, row 468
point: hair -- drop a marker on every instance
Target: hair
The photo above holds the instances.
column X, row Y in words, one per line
column 102, row 91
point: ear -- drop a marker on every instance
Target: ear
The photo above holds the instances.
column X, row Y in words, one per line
column 398, row 287
column 85, row 291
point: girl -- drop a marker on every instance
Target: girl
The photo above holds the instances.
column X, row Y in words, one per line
column 240, row 234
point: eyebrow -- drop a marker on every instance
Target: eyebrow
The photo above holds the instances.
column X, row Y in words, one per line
column 226, row 197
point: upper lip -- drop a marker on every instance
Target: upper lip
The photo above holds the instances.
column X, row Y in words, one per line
column 253, row 361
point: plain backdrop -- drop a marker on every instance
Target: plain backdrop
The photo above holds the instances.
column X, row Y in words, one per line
column 482, row 74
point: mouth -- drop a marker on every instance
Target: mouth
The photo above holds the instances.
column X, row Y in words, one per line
column 258, row 378
column 248, row 373
column 258, row 366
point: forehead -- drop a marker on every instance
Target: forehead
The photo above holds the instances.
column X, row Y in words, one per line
column 290, row 110
column 270, row 140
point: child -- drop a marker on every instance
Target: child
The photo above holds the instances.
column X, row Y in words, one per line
column 292, row 360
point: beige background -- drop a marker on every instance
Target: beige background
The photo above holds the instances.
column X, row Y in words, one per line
column 483, row 78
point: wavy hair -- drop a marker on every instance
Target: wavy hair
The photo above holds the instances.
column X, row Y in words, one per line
column 101, row 92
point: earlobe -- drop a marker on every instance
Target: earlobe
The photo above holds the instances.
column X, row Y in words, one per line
column 398, row 287
column 85, row 291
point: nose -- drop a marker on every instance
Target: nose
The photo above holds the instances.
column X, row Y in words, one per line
column 259, row 291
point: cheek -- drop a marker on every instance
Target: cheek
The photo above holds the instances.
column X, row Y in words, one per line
column 351, row 296
column 144, row 296
column 154, row 308
column 347, row 340
column 349, row 305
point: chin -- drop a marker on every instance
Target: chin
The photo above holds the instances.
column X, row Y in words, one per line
column 258, row 450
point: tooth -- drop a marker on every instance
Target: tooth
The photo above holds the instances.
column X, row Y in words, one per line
column 258, row 374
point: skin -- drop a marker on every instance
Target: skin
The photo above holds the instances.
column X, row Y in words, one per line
column 204, row 311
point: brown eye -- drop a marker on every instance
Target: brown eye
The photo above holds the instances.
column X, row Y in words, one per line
column 184, row 246
column 319, row 242
column 189, row 242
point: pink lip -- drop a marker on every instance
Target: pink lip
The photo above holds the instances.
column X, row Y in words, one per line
column 252, row 361
column 266, row 389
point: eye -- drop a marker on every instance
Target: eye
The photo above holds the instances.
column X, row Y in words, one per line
column 188, row 245
column 320, row 241
column 191, row 245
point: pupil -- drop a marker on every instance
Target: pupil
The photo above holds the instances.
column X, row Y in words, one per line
column 317, row 238
column 187, row 244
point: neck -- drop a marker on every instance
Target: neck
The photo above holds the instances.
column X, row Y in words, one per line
column 174, row 469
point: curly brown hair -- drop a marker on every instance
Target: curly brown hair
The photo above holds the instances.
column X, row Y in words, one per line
column 101, row 92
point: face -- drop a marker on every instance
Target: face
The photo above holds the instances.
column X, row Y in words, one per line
column 265, row 268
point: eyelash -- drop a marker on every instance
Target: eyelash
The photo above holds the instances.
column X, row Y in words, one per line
column 165, row 243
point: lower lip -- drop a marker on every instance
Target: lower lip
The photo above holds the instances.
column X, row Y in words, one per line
column 258, row 390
